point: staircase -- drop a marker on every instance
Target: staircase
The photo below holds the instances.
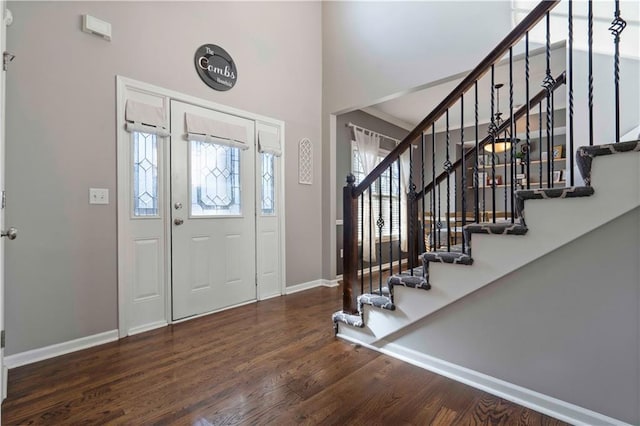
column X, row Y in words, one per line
column 498, row 250
column 470, row 222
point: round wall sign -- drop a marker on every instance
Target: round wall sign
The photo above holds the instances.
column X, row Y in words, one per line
column 216, row 67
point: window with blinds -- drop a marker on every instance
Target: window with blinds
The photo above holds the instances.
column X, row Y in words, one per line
column 385, row 197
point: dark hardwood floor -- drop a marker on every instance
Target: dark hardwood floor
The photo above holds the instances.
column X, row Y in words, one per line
column 273, row 362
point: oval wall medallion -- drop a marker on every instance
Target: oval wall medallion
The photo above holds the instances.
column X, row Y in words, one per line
column 216, row 67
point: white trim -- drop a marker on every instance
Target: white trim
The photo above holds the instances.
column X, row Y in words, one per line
column 310, row 284
column 248, row 302
column 330, row 283
column 35, row 355
column 303, row 286
column 539, row 402
column 332, row 214
column 122, row 85
column 372, row 110
column 147, row 327
column 272, row 296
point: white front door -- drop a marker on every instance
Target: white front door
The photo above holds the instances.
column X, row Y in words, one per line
column 213, row 214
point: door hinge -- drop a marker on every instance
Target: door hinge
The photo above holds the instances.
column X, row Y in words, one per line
column 4, row 200
column 6, row 58
column 2, row 334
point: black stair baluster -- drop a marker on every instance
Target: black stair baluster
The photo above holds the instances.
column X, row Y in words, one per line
column 410, row 211
column 434, row 220
column 391, row 180
column 527, row 72
column 552, row 125
column 455, row 207
column 399, row 217
column 463, row 183
column 439, row 217
column 590, row 55
column 617, row 26
column 540, row 144
column 447, row 168
column 514, row 140
column 361, row 242
column 570, row 72
column 422, row 215
column 505, row 182
column 476, row 183
column 380, row 224
column 493, row 146
column 371, row 237
column 547, row 84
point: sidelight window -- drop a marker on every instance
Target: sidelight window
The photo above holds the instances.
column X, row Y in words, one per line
column 145, row 174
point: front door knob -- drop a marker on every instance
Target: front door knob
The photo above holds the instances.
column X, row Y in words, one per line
column 11, row 233
column 177, row 221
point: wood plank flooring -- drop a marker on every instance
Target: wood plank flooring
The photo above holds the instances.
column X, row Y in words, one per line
column 273, row 362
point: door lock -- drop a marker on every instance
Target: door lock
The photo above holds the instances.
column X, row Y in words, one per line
column 176, row 221
column 178, row 205
column 11, row 233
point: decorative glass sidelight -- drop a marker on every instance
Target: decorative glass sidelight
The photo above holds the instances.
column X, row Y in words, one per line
column 145, row 174
column 268, row 194
column 215, row 179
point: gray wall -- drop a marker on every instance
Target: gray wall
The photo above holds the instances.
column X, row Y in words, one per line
column 565, row 325
column 61, row 273
column 372, row 50
column 343, row 163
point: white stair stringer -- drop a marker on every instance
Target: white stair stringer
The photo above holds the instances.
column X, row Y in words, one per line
column 552, row 223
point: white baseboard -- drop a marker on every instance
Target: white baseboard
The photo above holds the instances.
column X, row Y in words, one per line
column 147, row 327
column 541, row 403
column 330, row 283
column 310, row 284
column 58, row 349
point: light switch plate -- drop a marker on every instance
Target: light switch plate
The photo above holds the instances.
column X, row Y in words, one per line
column 98, row 196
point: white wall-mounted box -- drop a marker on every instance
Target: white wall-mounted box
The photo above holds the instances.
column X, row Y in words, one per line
column 93, row 25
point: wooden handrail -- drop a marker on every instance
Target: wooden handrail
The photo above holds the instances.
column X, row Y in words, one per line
column 539, row 97
column 513, row 37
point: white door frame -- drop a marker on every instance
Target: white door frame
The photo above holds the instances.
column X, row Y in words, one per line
column 123, row 85
column 5, row 19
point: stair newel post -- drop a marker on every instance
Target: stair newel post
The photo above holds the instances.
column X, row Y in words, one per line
column 350, row 286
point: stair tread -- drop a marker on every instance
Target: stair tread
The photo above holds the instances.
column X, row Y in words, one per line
column 498, row 228
column 415, row 281
column 566, row 192
column 377, row 300
column 354, row 320
column 548, row 193
column 585, row 155
column 456, row 258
